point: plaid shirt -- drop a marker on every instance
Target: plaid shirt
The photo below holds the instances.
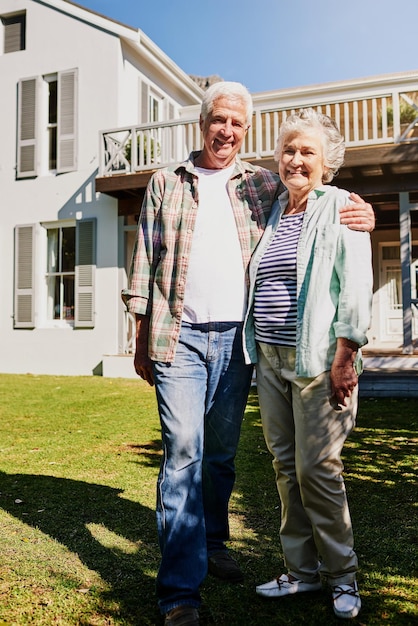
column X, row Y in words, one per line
column 158, row 272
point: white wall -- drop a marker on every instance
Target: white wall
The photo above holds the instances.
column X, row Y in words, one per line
column 108, row 86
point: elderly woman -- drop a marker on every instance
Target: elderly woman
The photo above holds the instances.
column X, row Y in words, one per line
column 310, row 302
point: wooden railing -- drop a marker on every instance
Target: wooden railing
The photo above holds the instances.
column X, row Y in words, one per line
column 381, row 113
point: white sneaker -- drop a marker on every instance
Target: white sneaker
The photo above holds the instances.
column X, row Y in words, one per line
column 346, row 600
column 283, row 586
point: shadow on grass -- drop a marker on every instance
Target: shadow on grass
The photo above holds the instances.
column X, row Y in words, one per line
column 148, row 454
column 381, row 478
column 64, row 509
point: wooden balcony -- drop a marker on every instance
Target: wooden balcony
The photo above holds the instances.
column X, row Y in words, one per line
column 377, row 116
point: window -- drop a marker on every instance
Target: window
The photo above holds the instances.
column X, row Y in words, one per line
column 154, row 109
column 14, row 33
column 414, row 272
column 47, row 124
column 393, row 274
column 61, row 273
column 52, row 124
column 151, row 105
column 66, row 280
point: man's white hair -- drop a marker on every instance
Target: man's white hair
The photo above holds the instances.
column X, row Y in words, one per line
column 230, row 90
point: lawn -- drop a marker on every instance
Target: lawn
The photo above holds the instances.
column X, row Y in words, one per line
column 78, row 464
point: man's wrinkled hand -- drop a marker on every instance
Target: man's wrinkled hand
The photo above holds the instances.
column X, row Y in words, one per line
column 143, row 366
column 142, row 362
column 358, row 215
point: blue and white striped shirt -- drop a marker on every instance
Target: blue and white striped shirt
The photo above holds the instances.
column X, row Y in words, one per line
column 275, row 303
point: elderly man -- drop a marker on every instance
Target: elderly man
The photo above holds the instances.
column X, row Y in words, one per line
column 199, row 224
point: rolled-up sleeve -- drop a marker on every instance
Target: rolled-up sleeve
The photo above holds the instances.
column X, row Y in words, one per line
column 138, row 295
column 354, row 269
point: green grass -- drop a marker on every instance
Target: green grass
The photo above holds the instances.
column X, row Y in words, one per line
column 79, row 459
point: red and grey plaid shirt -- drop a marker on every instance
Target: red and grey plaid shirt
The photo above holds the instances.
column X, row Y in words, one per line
column 158, row 272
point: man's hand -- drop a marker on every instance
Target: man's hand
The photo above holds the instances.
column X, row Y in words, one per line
column 358, row 216
column 343, row 375
column 142, row 362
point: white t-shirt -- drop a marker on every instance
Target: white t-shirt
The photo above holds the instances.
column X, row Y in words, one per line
column 215, row 286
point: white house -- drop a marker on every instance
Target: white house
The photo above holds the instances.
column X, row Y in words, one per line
column 90, row 108
column 379, row 119
column 65, row 74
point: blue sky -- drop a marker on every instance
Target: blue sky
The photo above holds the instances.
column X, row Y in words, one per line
column 271, row 44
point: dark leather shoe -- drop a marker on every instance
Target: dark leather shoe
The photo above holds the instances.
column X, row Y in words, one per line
column 182, row 615
column 223, row 566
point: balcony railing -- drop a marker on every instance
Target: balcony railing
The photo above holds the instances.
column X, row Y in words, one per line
column 367, row 115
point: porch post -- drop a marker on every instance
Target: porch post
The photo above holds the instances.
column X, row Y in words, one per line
column 405, row 240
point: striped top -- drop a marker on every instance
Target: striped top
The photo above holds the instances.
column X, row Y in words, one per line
column 275, row 304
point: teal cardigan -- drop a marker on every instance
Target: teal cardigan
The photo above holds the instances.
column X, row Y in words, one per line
column 334, row 282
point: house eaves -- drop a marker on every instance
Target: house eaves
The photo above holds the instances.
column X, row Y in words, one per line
column 136, row 39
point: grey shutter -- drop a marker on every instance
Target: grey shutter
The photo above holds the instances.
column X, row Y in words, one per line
column 85, row 266
column 67, row 121
column 144, row 103
column 24, row 293
column 27, row 127
column 14, row 33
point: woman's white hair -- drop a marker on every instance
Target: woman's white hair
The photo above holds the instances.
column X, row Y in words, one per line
column 230, row 90
column 332, row 140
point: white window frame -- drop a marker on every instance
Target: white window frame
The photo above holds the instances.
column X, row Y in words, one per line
column 47, row 126
column 395, row 313
column 32, row 131
column 45, row 319
column 31, row 289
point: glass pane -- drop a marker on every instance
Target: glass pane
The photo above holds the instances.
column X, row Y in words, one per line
column 52, row 165
column 154, row 109
column 390, row 253
column 68, row 249
column 52, row 102
column 53, row 304
column 414, row 280
column 68, row 303
column 52, row 263
column 394, row 288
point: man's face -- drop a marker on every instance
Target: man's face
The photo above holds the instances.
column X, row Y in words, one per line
column 223, row 133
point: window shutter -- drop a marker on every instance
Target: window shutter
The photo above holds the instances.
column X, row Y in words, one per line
column 26, row 124
column 144, row 103
column 24, row 305
column 14, row 33
column 85, row 266
column 67, row 121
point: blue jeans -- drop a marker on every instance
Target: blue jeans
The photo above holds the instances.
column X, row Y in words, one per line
column 201, row 400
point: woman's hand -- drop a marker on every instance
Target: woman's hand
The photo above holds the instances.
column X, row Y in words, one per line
column 343, row 376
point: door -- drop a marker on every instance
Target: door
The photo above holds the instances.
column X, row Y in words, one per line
column 391, row 311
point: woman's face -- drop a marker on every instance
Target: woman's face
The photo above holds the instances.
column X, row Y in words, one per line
column 301, row 161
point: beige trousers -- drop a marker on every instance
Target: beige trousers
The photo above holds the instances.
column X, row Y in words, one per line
column 306, row 435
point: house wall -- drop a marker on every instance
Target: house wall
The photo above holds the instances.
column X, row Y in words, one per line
column 60, row 37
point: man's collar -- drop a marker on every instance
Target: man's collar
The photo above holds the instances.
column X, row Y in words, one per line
column 240, row 166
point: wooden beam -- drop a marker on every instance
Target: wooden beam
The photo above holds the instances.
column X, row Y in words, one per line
column 123, row 185
column 367, row 170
